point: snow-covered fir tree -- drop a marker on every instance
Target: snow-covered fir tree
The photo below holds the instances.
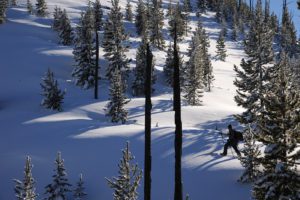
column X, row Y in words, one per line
column 41, row 8
column 98, row 15
column 113, row 43
column 29, row 7
column 177, row 18
column 202, row 6
column 129, row 14
column 13, row 2
column 278, row 130
column 125, row 185
column 138, row 86
column 115, row 109
column 3, row 7
column 84, row 51
column 187, row 6
column 25, row 190
column 60, row 187
column 156, row 24
column 79, row 193
column 252, row 74
column 65, row 30
column 141, row 18
column 251, row 157
column 53, row 96
column 56, row 18
column 221, row 48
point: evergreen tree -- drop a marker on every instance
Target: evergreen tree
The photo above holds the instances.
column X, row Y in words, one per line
column 84, row 51
column 177, row 18
column 156, row 24
column 128, row 15
column 117, row 100
column 29, row 7
column 202, row 6
column 53, row 96
column 41, row 8
column 252, row 77
column 221, row 49
column 25, row 189
column 187, row 7
column 278, row 130
column 141, row 18
column 79, row 193
column 65, row 29
column 113, row 43
column 98, row 15
column 125, row 185
column 251, row 157
column 56, row 18
column 60, row 186
column 3, row 7
column 140, row 70
column 14, row 2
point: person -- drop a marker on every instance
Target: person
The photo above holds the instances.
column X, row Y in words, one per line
column 232, row 141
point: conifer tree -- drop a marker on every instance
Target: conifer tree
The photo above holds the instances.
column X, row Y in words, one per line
column 14, row 2
column 278, row 130
column 187, row 7
column 41, row 8
column 177, row 18
column 84, row 51
column 221, row 49
column 53, row 96
column 113, row 43
column 125, row 185
column 202, row 6
column 79, row 193
column 140, row 70
column 156, row 24
column 251, row 157
column 25, row 189
column 60, row 186
column 56, row 18
column 98, row 15
column 29, row 7
column 141, row 18
column 128, row 15
column 3, row 7
column 117, row 100
column 65, row 29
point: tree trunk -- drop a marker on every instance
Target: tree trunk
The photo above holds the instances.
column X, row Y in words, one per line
column 96, row 65
column 178, row 123
column 148, row 107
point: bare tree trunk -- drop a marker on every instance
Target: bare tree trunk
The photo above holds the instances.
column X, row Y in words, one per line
column 148, row 107
column 96, row 65
column 178, row 130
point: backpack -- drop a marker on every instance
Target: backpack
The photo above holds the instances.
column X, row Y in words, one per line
column 238, row 135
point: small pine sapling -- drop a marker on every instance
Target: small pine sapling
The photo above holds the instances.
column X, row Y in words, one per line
column 41, row 8
column 53, row 96
column 125, row 185
column 79, row 193
column 221, row 49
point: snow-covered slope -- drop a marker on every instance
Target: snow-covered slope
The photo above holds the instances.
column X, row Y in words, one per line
column 89, row 143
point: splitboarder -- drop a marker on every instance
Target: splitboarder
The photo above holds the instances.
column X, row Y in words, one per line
column 233, row 140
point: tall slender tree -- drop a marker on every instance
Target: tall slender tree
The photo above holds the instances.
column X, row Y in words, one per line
column 156, row 23
column 65, row 30
column 148, row 107
column 178, row 195
column 41, row 8
column 141, row 18
column 129, row 15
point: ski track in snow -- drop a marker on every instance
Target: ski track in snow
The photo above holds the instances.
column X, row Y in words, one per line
column 89, row 143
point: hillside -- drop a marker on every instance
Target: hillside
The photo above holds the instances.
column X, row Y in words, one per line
column 89, row 143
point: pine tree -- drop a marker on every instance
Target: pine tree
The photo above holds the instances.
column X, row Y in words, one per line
column 128, row 15
column 140, row 70
column 79, row 193
column 125, row 185
column 41, row 8
column 187, row 7
column 141, row 18
column 3, row 7
column 201, row 5
column 221, row 49
column 113, row 43
column 25, row 189
column 278, row 130
column 60, row 186
column 14, row 2
column 117, row 100
column 53, row 96
column 177, row 18
column 29, row 7
column 156, row 24
column 56, row 18
column 65, row 29
column 251, row 157
column 98, row 15
column 84, row 51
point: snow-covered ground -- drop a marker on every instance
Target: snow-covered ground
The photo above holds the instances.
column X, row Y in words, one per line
column 88, row 142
